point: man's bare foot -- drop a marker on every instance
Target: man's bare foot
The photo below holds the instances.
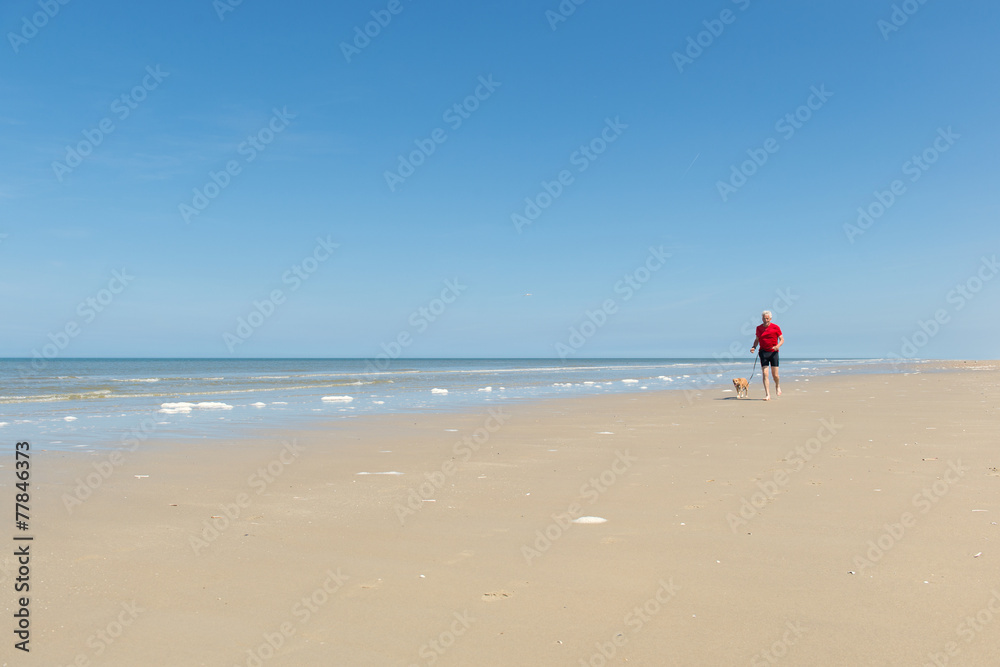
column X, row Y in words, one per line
column 778, row 389
column 767, row 398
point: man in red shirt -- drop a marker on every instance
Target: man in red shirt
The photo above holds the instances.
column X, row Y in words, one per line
column 770, row 339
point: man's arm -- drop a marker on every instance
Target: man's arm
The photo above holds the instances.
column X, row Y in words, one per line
column 781, row 341
column 756, row 341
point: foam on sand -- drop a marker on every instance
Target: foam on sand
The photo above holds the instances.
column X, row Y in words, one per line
column 391, row 472
column 338, row 399
column 589, row 519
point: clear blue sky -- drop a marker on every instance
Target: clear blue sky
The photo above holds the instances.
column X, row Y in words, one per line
column 323, row 175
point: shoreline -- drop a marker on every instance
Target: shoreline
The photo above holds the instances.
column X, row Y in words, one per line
column 250, row 419
column 476, row 537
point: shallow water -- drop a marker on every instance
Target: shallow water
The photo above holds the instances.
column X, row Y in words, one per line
column 99, row 403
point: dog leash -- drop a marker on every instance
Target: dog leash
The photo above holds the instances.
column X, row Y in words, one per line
column 754, row 368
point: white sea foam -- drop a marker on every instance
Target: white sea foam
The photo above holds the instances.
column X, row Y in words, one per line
column 485, row 389
column 630, row 381
column 391, row 472
column 562, row 384
column 2, row 424
column 279, row 403
column 379, row 402
column 590, row 519
column 338, row 399
column 69, row 419
column 435, row 390
column 184, row 408
column 666, row 377
column 258, row 404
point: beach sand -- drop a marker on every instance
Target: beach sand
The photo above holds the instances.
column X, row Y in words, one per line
column 721, row 541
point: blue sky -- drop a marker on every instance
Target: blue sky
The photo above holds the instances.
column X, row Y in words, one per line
column 341, row 125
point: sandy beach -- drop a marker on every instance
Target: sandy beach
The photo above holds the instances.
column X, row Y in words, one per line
column 853, row 521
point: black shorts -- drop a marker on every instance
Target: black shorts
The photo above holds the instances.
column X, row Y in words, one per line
column 768, row 358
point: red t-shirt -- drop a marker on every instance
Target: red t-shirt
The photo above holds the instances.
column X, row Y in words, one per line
column 768, row 336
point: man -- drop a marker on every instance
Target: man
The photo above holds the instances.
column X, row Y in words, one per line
column 769, row 339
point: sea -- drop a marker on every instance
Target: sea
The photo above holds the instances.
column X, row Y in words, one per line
column 89, row 404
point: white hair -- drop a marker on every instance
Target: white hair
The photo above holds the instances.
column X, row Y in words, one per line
column 766, row 313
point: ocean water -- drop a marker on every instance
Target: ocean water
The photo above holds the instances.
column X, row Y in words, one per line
column 100, row 403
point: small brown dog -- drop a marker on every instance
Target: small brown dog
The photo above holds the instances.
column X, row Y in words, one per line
column 742, row 387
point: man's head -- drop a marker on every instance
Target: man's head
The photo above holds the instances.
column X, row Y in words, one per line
column 765, row 317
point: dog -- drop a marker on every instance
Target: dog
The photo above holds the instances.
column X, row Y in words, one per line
column 742, row 387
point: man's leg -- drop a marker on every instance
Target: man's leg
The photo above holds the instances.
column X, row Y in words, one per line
column 767, row 387
column 774, row 372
